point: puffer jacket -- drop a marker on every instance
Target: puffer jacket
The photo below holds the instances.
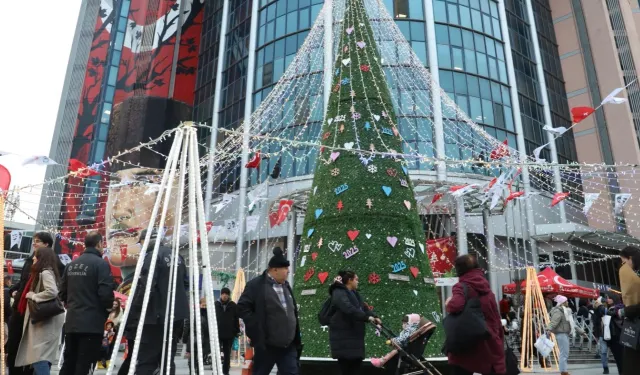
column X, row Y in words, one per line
column 559, row 323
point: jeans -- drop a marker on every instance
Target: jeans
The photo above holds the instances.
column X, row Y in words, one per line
column 603, row 349
column 285, row 358
column 41, row 368
column 563, row 345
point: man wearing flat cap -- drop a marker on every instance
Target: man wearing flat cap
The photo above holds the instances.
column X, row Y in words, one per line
column 270, row 315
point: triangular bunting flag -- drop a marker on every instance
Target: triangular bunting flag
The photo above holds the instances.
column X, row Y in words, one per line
column 558, row 197
column 501, row 151
column 589, row 200
column 580, row 113
column 611, row 98
column 254, row 162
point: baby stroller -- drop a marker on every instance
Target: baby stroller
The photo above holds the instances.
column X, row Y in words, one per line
column 411, row 361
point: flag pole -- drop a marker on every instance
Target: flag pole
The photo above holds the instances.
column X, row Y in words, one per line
column 2, row 301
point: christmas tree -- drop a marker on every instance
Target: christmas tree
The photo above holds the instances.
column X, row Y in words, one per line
column 362, row 214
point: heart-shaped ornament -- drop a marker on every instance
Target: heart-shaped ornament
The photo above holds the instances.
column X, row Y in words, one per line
column 353, row 234
column 407, row 204
column 415, row 292
column 421, row 247
column 368, row 235
column 387, row 190
column 329, row 121
column 319, row 212
column 414, row 271
column 392, row 241
column 349, row 30
column 310, row 232
column 361, row 44
column 335, row 246
column 315, row 189
column 376, row 117
column 346, row 62
column 334, row 155
column 314, row 256
column 348, row 145
column 404, row 169
column 322, row 276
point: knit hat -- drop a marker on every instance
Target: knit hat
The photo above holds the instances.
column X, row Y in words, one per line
column 143, row 234
column 278, row 259
column 413, row 318
column 225, row 291
column 560, row 299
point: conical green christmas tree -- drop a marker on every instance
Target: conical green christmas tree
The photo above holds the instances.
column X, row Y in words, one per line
column 362, row 214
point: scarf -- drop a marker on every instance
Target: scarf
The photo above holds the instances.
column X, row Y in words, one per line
column 22, row 305
column 568, row 314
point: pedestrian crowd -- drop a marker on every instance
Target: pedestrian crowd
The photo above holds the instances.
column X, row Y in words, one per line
column 74, row 308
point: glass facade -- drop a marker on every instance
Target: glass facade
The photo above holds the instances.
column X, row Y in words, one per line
column 471, row 59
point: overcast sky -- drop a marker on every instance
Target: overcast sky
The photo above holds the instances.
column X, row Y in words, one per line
column 35, row 52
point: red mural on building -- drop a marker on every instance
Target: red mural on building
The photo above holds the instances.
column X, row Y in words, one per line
column 148, row 73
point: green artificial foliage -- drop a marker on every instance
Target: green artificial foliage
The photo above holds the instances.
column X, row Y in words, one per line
column 360, row 95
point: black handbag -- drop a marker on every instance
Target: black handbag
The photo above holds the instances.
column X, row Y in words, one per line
column 465, row 329
column 630, row 333
column 41, row 311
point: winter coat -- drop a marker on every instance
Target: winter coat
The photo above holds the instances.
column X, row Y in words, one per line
column 251, row 309
column 87, row 290
column 347, row 325
column 599, row 312
column 488, row 355
column 228, row 320
column 559, row 323
column 186, row 335
column 629, row 285
column 157, row 306
column 40, row 340
column 631, row 358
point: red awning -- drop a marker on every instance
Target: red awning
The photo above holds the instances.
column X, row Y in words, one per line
column 551, row 282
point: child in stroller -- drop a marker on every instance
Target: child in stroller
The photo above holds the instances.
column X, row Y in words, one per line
column 409, row 347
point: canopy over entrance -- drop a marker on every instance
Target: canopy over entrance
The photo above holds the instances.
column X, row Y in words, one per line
column 551, row 282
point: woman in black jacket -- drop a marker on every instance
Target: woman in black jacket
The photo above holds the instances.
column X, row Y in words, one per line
column 347, row 326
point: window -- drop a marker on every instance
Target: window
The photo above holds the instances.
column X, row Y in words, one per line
column 401, row 8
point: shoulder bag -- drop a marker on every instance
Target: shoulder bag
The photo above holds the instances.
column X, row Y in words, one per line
column 41, row 311
column 467, row 328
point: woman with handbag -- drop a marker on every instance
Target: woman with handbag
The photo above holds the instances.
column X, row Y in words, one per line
column 43, row 314
column 630, row 288
column 562, row 325
column 485, row 355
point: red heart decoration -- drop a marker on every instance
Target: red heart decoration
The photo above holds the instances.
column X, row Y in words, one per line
column 353, row 234
column 414, row 271
column 314, row 256
column 323, row 276
column 273, row 219
column 309, row 274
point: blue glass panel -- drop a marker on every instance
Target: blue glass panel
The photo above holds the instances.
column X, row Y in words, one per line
column 292, row 22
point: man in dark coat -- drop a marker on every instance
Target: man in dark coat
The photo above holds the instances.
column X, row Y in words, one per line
column 87, row 291
column 228, row 326
column 487, row 356
column 150, row 352
column 270, row 315
column 204, row 336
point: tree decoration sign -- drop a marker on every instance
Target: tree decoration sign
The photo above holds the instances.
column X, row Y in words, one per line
column 370, row 200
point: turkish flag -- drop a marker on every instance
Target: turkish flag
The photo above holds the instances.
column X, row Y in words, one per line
column 254, row 162
column 513, row 196
column 581, row 113
column 436, row 197
column 76, row 165
column 500, row 151
column 209, row 225
column 558, row 197
column 9, row 264
column 283, row 210
column 273, row 219
column 5, row 179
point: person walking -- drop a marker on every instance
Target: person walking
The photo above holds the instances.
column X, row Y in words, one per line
column 228, row 326
column 87, row 291
column 270, row 315
column 505, row 307
column 563, row 326
column 599, row 311
column 614, row 305
column 16, row 321
column 487, row 357
column 150, row 351
column 630, row 288
column 347, row 326
column 39, row 344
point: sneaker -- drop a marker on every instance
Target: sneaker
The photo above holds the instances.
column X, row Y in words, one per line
column 377, row 362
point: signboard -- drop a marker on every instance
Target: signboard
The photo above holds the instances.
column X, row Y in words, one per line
column 446, row 281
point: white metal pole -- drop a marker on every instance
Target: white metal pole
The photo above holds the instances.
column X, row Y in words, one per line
column 328, row 51
column 491, row 251
column 248, row 107
column 291, row 243
column 546, row 109
column 461, row 224
column 522, row 150
column 436, row 101
column 213, row 141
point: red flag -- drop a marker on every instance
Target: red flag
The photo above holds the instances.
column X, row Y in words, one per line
column 283, row 210
column 500, row 151
column 82, row 170
column 209, row 225
column 5, row 179
column 513, row 196
column 254, row 162
column 581, row 113
column 436, row 197
column 9, row 264
column 273, row 219
column 558, row 197
column 456, row 188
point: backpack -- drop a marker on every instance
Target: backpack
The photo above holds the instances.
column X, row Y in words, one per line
column 464, row 330
column 326, row 312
